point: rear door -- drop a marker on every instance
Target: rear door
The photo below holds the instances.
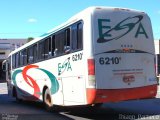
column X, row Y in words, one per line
column 123, row 49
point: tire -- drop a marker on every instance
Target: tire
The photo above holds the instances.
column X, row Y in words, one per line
column 95, row 106
column 98, row 105
column 16, row 96
column 47, row 99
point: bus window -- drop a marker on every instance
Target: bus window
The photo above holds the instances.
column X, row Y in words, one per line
column 24, row 54
column 74, row 37
column 9, row 68
column 9, row 63
column 50, row 47
column 41, row 50
column 67, row 47
column 47, row 48
column 21, row 58
column 53, row 45
column 13, row 61
column 34, row 53
column 77, row 36
column 30, row 54
column 17, row 60
column 59, row 38
column 80, row 36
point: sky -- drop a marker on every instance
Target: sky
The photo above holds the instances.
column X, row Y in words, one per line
column 32, row 18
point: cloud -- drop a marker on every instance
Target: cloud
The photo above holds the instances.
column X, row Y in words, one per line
column 158, row 11
column 32, row 20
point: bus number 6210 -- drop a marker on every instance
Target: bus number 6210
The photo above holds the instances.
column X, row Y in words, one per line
column 109, row 60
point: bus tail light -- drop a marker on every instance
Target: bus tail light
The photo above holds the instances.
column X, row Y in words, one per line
column 91, row 72
column 91, row 67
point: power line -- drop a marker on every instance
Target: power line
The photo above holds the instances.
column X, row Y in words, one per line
column 23, row 33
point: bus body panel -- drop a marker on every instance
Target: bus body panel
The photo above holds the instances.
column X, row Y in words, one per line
column 123, row 54
column 70, row 86
column 117, row 29
column 124, row 70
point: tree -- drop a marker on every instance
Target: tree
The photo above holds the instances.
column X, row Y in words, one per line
column 30, row 39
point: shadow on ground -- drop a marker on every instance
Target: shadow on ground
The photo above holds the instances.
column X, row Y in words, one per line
column 148, row 109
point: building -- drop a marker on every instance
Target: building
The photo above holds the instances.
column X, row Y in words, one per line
column 157, row 52
column 6, row 46
column 157, row 46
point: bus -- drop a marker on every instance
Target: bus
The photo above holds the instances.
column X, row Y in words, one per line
column 100, row 55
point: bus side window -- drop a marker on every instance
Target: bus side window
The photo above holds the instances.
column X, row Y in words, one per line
column 53, row 45
column 9, row 68
column 41, row 50
column 21, row 58
column 59, row 38
column 24, row 56
column 35, row 52
column 46, row 48
column 67, row 47
column 13, row 61
column 9, row 63
column 74, row 37
column 77, row 36
column 30, row 54
column 80, row 35
column 57, row 44
column 17, row 60
column 49, row 47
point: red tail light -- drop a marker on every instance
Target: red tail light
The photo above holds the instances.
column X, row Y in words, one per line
column 91, row 67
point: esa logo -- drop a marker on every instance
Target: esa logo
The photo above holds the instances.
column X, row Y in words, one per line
column 65, row 66
column 108, row 33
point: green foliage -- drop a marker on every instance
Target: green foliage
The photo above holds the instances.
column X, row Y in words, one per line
column 30, row 39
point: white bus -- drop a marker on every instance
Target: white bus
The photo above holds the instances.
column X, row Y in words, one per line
column 100, row 55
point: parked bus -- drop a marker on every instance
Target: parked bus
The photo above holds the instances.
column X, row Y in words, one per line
column 100, row 55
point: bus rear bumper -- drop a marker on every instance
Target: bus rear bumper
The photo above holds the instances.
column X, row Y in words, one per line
column 116, row 95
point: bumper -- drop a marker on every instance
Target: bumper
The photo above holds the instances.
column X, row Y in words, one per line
column 116, row 95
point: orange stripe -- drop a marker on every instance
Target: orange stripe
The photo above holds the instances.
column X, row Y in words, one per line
column 115, row 95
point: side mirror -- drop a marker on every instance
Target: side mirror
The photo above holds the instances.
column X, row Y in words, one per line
column 4, row 65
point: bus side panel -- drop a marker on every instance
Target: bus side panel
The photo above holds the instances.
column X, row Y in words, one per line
column 31, row 80
column 73, row 79
column 73, row 90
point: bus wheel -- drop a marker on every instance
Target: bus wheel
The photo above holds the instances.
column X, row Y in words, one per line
column 96, row 106
column 16, row 96
column 47, row 100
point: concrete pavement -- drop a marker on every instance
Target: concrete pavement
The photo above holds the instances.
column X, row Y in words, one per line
column 3, row 88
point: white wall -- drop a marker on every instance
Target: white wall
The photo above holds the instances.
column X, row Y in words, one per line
column 156, row 43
